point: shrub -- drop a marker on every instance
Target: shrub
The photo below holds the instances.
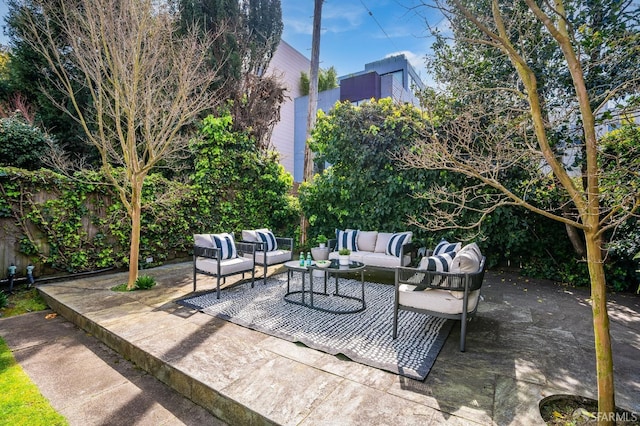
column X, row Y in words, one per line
column 4, row 300
column 238, row 186
column 145, row 282
column 21, row 144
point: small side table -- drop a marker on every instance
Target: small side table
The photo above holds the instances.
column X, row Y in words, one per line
column 320, row 253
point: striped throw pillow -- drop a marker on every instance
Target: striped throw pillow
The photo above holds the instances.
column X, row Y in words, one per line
column 347, row 239
column 438, row 263
column 394, row 247
column 268, row 239
column 225, row 244
column 445, row 246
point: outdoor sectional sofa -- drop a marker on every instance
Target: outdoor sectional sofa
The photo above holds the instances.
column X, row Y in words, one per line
column 382, row 250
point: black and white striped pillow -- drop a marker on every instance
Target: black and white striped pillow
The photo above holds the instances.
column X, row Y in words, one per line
column 347, row 239
column 224, row 243
column 438, row 263
column 445, row 246
column 394, row 248
column 268, row 239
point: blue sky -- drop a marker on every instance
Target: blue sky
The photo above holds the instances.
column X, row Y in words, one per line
column 354, row 32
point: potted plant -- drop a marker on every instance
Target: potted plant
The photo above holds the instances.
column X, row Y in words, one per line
column 322, row 241
column 343, row 256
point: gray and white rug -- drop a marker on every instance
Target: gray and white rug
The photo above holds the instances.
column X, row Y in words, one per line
column 365, row 337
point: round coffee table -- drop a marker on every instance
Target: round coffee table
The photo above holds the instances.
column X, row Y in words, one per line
column 307, row 295
column 337, row 271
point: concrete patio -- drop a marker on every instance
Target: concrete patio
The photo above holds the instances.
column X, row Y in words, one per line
column 530, row 339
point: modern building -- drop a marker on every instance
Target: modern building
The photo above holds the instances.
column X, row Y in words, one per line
column 392, row 77
column 287, row 64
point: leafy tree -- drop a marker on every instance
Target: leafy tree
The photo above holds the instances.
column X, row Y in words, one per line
column 362, row 188
column 482, row 139
column 27, row 74
column 327, row 79
column 145, row 85
column 251, row 32
column 21, row 144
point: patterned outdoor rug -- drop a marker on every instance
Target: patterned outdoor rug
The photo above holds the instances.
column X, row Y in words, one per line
column 364, row 337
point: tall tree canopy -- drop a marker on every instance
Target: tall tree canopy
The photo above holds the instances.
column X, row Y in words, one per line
column 252, row 33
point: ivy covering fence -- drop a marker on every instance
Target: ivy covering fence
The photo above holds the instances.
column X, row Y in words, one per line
column 77, row 223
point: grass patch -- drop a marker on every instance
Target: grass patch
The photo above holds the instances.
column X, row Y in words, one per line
column 121, row 287
column 144, row 282
column 23, row 301
column 21, row 402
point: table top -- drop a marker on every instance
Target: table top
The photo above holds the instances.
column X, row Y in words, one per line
column 295, row 265
column 335, row 267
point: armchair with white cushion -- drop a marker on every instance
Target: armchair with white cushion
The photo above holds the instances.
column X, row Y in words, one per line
column 446, row 284
column 220, row 256
column 270, row 250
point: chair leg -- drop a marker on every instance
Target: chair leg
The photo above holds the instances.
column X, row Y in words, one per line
column 218, row 287
column 253, row 275
column 463, row 332
column 264, row 276
column 395, row 321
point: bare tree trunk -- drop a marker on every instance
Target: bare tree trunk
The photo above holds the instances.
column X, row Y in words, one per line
column 604, row 358
column 136, row 213
column 313, row 107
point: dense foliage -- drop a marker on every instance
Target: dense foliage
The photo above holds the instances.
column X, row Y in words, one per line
column 26, row 67
column 238, row 186
column 78, row 223
column 363, row 189
column 327, row 79
column 21, row 144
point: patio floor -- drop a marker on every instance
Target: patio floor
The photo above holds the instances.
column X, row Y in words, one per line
column 530, row 339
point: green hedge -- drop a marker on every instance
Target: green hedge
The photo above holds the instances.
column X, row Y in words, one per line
column 78, row 223
column 365, row 189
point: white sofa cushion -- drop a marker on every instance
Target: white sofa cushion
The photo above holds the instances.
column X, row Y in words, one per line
column 367, row 240
column 382, row 241
column 227, row 266
column 375, row 259
column 467, row 261
column 384, row 260
column 203, row 240
column 251, row 234
column 273, row 257
column 435, row 300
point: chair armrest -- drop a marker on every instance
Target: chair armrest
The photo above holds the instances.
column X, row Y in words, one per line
column 285, row 243
column 423, row 279
column 210, row 252
column 408, row 248
column 245, row 247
